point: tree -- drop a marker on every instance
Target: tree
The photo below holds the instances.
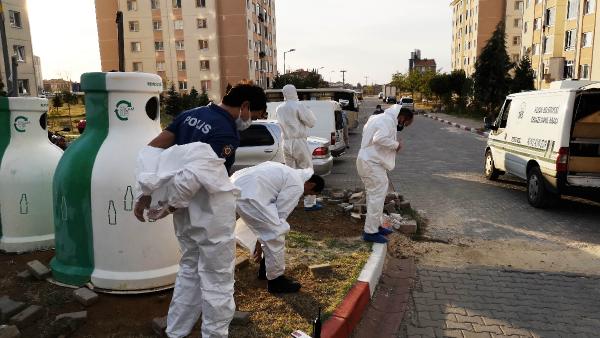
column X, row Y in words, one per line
column 57, row 101
column 491, row 78
column 2, row 91
column 523, row 80
column 203, row 99
column 301, row 79
column 173, row 102
column 189, row 101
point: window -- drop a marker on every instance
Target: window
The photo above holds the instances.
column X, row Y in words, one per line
column 204, row 65
column 572, row 8
column 547, row 43
column 570, row 39
column 589, row 6
column 180, row 65
column 516, row 40
column 205, row 85
column 182, row 85
column 586, row 40
column 525, row 27
column 202, row 44
column 157, row 25
column 584, row 72
column 249, row 44
column 160, row 66
column 23, row 86
column 504, row 114
column 19, row 52
column 178, row 24
column 518, row 5
column 176, row 3
column 256, row 136
column 132, row 5
column 201, row 23
column 136, row 46
column 134, row 26
column 550, row 16
column 179, row 45
column 159, row 46
column 201, row 3
column 568, row 70
column 137, row 67
column 537, row 24
column 154, row 4
column 536, row 49
column 515, row 58
column 15, row 19
column 517, row 23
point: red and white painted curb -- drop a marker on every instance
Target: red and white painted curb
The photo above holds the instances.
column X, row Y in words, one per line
column 469, row 129
column 350, row 311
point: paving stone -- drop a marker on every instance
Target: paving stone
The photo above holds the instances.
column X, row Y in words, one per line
column 38, row 270
column 27, row 316
column 390, row 208
column 357, row 198
column 85, row 296
column 360, row 208
column 461, row 326
column 487, row 328
column 469, row 334
column 452, row 333
column 9, row 331
column 408, row 227
column 67, row 323
column 468, row 319
column 321, row 270
column 241, row 318
column 25, row 274
column 9, row 308
column 159, row 325
column 404, row 205
column 413, row 331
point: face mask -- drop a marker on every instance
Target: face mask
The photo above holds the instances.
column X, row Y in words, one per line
column 241, row 124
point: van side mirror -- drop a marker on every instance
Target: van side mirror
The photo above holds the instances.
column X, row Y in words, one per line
column 488, row 124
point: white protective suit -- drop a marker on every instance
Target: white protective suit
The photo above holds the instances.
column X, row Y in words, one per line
column 270, row 192
column 295, row 120
column 377, row 154
column 193, row 179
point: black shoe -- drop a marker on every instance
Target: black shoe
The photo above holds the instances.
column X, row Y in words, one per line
column 282, row 284
column 262, row 270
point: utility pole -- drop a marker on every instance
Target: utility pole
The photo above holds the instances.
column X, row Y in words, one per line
column 10, row 87
column 343, row 77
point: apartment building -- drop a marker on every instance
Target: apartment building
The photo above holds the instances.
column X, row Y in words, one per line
column 474, row 22
column 18, row 38
column 416, row 63
column 559, row 37
column 205, row 44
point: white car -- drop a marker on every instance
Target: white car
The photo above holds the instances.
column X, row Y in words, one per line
column 407, row 102
column 262, row 142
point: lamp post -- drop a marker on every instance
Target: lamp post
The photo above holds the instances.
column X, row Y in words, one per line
column 289, row 51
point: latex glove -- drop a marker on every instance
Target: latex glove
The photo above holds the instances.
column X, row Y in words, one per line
column 141, row 205
column 162, row 211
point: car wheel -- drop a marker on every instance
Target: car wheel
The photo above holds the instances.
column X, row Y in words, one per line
column 537, row 193
column 490, row 172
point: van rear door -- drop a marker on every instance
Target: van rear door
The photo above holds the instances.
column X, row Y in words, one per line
column 584, row 146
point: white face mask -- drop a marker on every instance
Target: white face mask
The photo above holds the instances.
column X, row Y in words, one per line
column 242, row 124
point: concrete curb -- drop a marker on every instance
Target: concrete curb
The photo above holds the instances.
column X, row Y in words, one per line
column 350, row 311
column 469, row 129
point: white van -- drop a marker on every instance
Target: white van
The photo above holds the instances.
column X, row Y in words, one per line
column 549, row 137
column 329, row 125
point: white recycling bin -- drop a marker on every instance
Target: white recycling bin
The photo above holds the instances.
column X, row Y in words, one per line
column 27, row 163
column 98, row 238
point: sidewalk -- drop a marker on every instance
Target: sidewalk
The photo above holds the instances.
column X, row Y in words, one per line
column 468, row 122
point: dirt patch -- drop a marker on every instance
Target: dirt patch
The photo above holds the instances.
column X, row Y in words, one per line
column 325, row 236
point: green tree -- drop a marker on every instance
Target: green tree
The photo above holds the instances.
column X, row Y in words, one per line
column 2, row 91
column 523, row 80
column 57, row 101
column 173, row 104
column 203, row 99
column 301, row 79
column 491, row 78
column 439, row 85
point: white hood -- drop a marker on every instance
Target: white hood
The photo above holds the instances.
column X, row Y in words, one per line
column 393, row 111
column 290, row 93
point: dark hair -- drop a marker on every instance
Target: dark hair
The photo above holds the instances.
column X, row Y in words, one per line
column 378, row 106
column 245, row 91
column 319, row 183
column 407, row 113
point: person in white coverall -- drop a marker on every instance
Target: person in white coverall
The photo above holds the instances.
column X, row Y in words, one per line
column 270, row 192
column 377, row 155
column 191, row 182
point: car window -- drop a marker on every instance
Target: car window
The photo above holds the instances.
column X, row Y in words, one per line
column 255, row 136
column 504, row 114
column 407, row 100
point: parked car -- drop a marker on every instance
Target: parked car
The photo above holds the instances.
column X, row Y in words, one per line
column 551, row 138
column 391, row 100
column 407, row 102
column 262, row 142
column 381, row 96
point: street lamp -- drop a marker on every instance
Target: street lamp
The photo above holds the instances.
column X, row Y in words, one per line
column 289, row 51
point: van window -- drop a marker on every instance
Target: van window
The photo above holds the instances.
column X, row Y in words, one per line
column 256, row 136
column 504, row 114
column 407, row 100
column 587, row 104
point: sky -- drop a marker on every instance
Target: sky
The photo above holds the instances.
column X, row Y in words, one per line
column 366, row 38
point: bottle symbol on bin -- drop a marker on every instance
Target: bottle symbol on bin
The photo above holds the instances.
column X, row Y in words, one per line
column 128, row 199
column 24, row 205
column 63, row 209
column 112, row 213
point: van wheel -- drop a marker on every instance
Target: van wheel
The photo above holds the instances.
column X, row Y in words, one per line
column 537, row 194
column 491, row 173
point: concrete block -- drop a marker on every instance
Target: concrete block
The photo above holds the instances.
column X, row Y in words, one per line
column 360, row 208
column 321, row 270
column 38, row 270
column 67, row 323
column 159, row 325
column 9, row 308
column 27, row 316
column 404, row 205
column 85, row 296
column 408, row 227
column 24, row 274
column 9, row 331
column 80, row 316
column 390, row 208
column 338, row 195
column 241, row 318
column 357, row 198
column 242, row 262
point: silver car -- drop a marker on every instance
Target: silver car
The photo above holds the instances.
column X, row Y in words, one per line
column 262, row 142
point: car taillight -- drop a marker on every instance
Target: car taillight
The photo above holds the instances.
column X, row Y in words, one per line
column 562, row 160
column 320, row 152
column 332, row 139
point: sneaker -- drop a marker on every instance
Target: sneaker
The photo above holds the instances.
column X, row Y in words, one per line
column 262, row 270
column 374, row 238
column 282, row 284
column 385, row 231
column 315, row 207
